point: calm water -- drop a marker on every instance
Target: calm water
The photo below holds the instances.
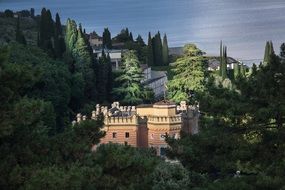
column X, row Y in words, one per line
column 243, row 25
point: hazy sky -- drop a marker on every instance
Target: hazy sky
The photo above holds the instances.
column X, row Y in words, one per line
column 243, row 25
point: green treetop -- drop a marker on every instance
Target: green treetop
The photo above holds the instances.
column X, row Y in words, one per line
column 131, row 89
column 157, row 48
column 107, row 42
column 71, row 35
column 150, row 59
column 20, row 38
column 236, row 71
column 188, row 74
column 269, row 50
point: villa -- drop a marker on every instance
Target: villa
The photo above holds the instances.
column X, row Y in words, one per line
column 146, row 125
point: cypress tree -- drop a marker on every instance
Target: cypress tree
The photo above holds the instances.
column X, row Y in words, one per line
column 58, row 27
column 49, row 25
column 131, row 37
column 236, row 71
column 110, row 79
column 32, row 11
column 221, row 58
column 38, row 39
column 47, row 32
column 157, row 50
column 43, row 27
column 102, row 78
column 282, row 51
column 224, row 63
column 266, row 52
column 269, row 51
column 107, row 41
column 254, row 70
column 20, row 38
column 165, row 51
column 71, row 35
column 150, row 57
column 242, row 70
column 59, row 44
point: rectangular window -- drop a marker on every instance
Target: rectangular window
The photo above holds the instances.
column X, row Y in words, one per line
column 114, row 135
column 126, row 143
column 127, row 134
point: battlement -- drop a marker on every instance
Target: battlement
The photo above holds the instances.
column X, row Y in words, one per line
column 161, row 112
column 164, row 120
column 145, row 125
column 129, row 120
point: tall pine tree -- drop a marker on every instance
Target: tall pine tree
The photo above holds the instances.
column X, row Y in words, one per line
column 150, row 58
column 131, row 90
column 20, row 38
column 59, row 43
column 165, row 51
column 269, row 51
column 157, row 50
column 223, row 61
column 107, row 41
column 189, row 74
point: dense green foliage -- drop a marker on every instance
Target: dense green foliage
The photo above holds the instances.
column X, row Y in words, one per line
column 242, row 129
column 240, row 144
column 104, row 82
column 189, row 74
column 35, row 94
column 107, row 41
column 157, row 51
column 81, row 64
column 131, row 91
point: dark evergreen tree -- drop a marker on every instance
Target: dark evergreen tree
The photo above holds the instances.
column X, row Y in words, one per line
column 8, row 13
column 221, row 58
column 20, row 38
column 107, row 41
column 282, row 51
column 140, row 41
column 32, row 12
column 131, row 90
column 104, row 80
column 150, row 57
column 58, row 27
column 110, row 79
column 157, row 50
column 131, row 37
column 223, row 65
column 269, row 50
column 47, row 32
column 165, row 51
column 71, row 35
column 254, row 70
column 59, row 43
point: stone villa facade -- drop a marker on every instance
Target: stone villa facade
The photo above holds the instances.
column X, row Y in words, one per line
column 146, row 125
